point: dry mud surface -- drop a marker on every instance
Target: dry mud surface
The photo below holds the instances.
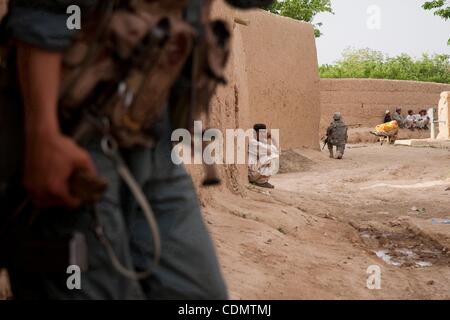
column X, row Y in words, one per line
column 315, row 235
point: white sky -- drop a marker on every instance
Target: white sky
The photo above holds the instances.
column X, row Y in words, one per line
column 404, row 28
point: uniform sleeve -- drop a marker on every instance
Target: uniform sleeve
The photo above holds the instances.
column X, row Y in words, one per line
column 37, row 23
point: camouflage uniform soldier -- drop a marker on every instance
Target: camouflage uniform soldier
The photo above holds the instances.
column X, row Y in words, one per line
column 337, row 136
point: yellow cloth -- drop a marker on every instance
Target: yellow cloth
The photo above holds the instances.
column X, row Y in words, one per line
column 388, row 127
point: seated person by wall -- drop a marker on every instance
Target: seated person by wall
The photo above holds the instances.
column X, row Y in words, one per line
column 264, row 157
column 422, row 120
column 410, row 120
column 397, row 116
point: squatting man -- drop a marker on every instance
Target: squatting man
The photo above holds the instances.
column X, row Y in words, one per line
column 263, row 150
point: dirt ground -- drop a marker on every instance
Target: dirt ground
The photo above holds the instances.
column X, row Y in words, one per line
column 315, row 235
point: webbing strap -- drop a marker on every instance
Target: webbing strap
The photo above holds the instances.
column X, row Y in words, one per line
column 109, row 147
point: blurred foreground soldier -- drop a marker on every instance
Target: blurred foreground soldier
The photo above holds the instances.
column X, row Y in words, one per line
column 337, row 136
column 410, row 120
column 86, row 176
column 263, row 157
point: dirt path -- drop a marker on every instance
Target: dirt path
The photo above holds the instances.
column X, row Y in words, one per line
column 315, row 235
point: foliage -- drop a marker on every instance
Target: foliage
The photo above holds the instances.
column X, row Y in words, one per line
column 367, row 63
column 304, row 10
column 441, row 8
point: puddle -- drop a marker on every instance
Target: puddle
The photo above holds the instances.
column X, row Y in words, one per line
column 384, row 255
column 365, row 234
column 424, row 264
column 405, row 249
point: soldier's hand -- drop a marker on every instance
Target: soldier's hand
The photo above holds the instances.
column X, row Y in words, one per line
column 50, row 161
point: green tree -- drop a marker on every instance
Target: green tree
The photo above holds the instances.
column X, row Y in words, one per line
column 367, row 63
column 304, row 10
column 441, row 8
